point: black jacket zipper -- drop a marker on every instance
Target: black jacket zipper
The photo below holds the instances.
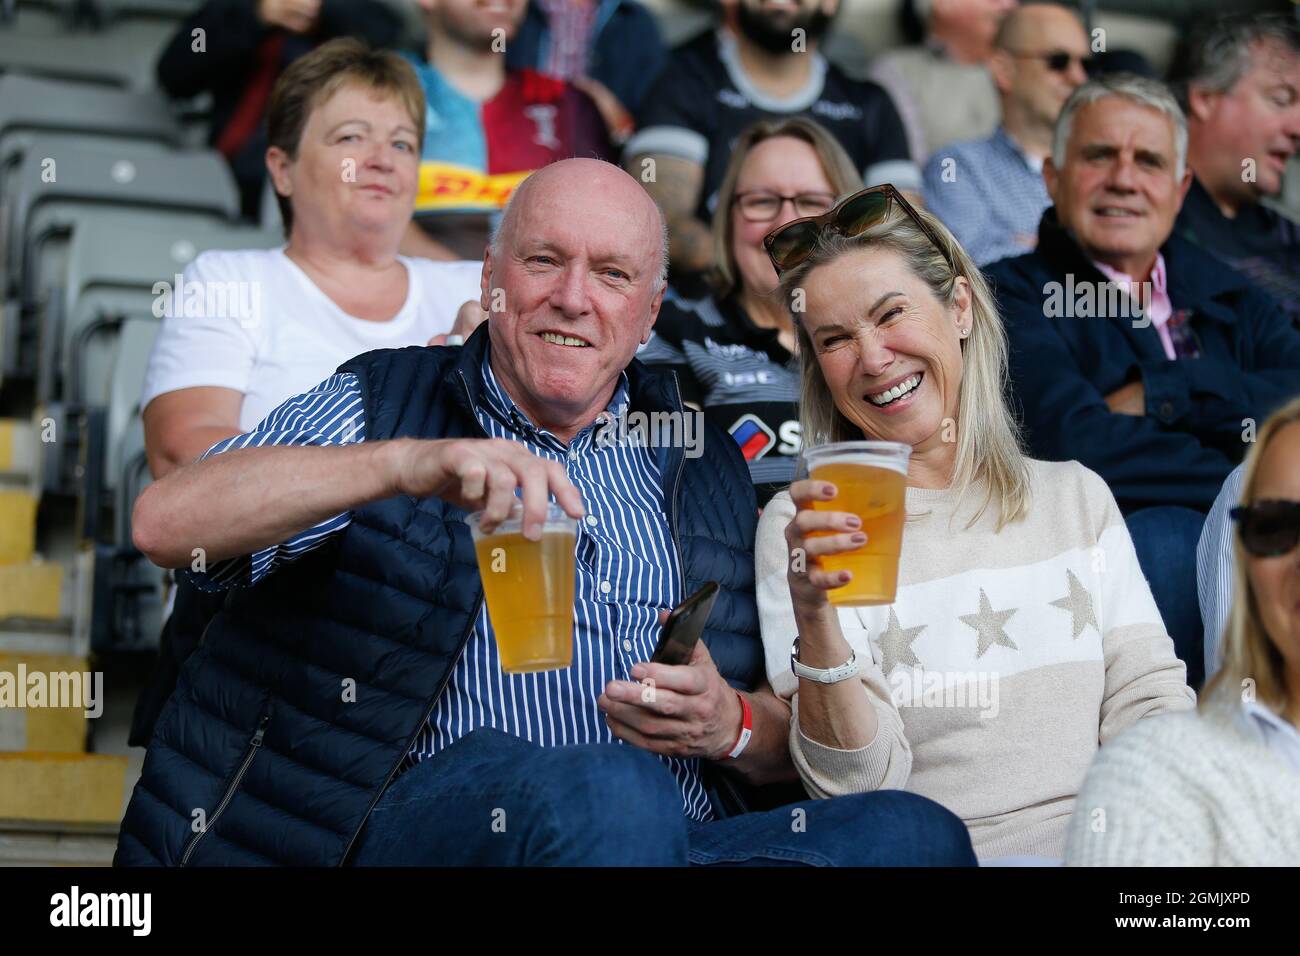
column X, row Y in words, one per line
column 253, row 746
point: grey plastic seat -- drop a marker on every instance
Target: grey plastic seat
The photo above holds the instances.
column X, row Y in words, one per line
column 121, row 55
column 125, row 467
column 30, row 103
column 115, row 261
column 41, row 212
column 86, row 174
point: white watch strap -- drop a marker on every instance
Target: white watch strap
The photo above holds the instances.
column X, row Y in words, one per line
column 829, row 675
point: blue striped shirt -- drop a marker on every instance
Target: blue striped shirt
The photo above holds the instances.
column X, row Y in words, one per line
column 989, row 194
column 627, row 571
column 1215, row 568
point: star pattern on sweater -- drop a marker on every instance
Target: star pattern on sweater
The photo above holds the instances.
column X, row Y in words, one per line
column 988, row 623
column 895, row 644
column 1079, row 603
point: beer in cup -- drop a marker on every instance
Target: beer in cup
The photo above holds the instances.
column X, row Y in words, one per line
column 869, row 478
column 528, row 586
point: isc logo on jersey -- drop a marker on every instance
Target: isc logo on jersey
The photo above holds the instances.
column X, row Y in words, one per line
column 756, row 439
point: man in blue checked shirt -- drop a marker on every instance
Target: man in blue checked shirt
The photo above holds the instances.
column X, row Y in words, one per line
column 348, row 704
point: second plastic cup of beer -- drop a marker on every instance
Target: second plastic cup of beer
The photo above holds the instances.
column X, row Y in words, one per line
column 870, row 478
column 528, row 586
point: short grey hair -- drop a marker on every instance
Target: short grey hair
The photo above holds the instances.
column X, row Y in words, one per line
column 1136, row 89
column 1218, row 52
column 508, row 213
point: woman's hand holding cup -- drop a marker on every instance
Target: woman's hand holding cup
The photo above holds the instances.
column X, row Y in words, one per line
column 813, row 534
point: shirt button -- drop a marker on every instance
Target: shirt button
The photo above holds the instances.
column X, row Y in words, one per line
column 606, row 587
column 591, row 521
column 1166, row 410
column 573, row 454
column 627, row 645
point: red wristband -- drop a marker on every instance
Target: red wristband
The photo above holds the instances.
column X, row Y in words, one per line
column 746, row 727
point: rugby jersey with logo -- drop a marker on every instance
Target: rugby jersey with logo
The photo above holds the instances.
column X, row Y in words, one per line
column 740, row 376
column 474, row 154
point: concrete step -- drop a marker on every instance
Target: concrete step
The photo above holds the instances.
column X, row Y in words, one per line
column 17, row 526
column 44, row 701
column 58, row 788
column 31, row 590
column 23, row 843
column 19, row 449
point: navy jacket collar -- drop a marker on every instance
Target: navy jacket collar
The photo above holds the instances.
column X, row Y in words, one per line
column 1191, row 284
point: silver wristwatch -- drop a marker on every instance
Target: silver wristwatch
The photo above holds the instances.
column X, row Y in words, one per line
column 829, row 675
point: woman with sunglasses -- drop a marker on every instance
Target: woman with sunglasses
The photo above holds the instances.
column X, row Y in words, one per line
column 1023, row 634
column 1218, row 787
column 733, row 351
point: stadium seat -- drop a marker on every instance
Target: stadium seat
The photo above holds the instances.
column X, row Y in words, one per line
column 33, row 104
column 114, row 261
column 122, row 55
column 41, row 211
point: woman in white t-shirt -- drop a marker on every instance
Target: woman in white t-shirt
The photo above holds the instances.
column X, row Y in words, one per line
column 251, row 328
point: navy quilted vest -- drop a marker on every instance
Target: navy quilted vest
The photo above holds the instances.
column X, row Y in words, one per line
column 309, row 689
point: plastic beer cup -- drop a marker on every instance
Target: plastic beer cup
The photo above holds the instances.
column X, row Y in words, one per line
column 870, row 478
column 528, row 586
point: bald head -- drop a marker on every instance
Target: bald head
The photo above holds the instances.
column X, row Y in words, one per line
column 584, row 190
column 1034, row 25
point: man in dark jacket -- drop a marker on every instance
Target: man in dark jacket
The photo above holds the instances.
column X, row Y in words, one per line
column 1135, row 353
column 354, row 646
column 235, row 49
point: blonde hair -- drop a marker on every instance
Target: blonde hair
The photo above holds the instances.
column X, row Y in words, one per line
column 836, row 164
column 1248, row 653
column 988, row 438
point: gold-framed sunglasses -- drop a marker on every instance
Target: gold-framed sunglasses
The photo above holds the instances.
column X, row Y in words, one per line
column 789, row 245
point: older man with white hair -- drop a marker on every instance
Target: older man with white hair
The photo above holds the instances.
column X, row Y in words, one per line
column 349, row 704
column 1132, row 350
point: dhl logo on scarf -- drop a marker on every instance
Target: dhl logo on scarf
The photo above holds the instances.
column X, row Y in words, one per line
column 446, row 186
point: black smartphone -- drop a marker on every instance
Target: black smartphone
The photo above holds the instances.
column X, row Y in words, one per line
column 684, row 626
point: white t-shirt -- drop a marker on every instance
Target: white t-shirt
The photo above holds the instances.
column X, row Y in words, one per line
column 253, row 321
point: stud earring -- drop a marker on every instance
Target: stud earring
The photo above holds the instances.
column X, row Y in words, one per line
column 965, row 332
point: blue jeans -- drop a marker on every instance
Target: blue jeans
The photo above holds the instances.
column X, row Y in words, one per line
column 1165, row 539
column 492, row 799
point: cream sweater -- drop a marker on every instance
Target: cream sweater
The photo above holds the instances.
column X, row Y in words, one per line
column 1187, row 790
column 1003, row 663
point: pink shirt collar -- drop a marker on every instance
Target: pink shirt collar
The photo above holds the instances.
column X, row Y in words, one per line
column 1160, row 308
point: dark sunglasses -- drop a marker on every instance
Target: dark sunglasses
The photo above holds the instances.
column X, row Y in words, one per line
column 1058, row 61
column 1268, row 528
column 789, row 245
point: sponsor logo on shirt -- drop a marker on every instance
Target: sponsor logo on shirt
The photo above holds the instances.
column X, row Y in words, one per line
column 836, row 111
column 543, row 115
column 729, row 352
column 753, row 436
column 446, row 186
column 733, row 99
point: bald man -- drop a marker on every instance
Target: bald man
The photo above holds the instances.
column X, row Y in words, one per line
column 349, row 705
column 990, row 192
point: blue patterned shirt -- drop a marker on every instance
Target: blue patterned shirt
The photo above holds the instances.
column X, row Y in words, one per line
column 988, row 193
column 627, row 571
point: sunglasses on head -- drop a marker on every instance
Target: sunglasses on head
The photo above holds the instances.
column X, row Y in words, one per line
column 789, row 245
column 1268, row 528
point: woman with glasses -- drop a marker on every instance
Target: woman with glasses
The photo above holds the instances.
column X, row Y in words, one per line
column 1218, row 787
column 1023, row 634
column 733, row 351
